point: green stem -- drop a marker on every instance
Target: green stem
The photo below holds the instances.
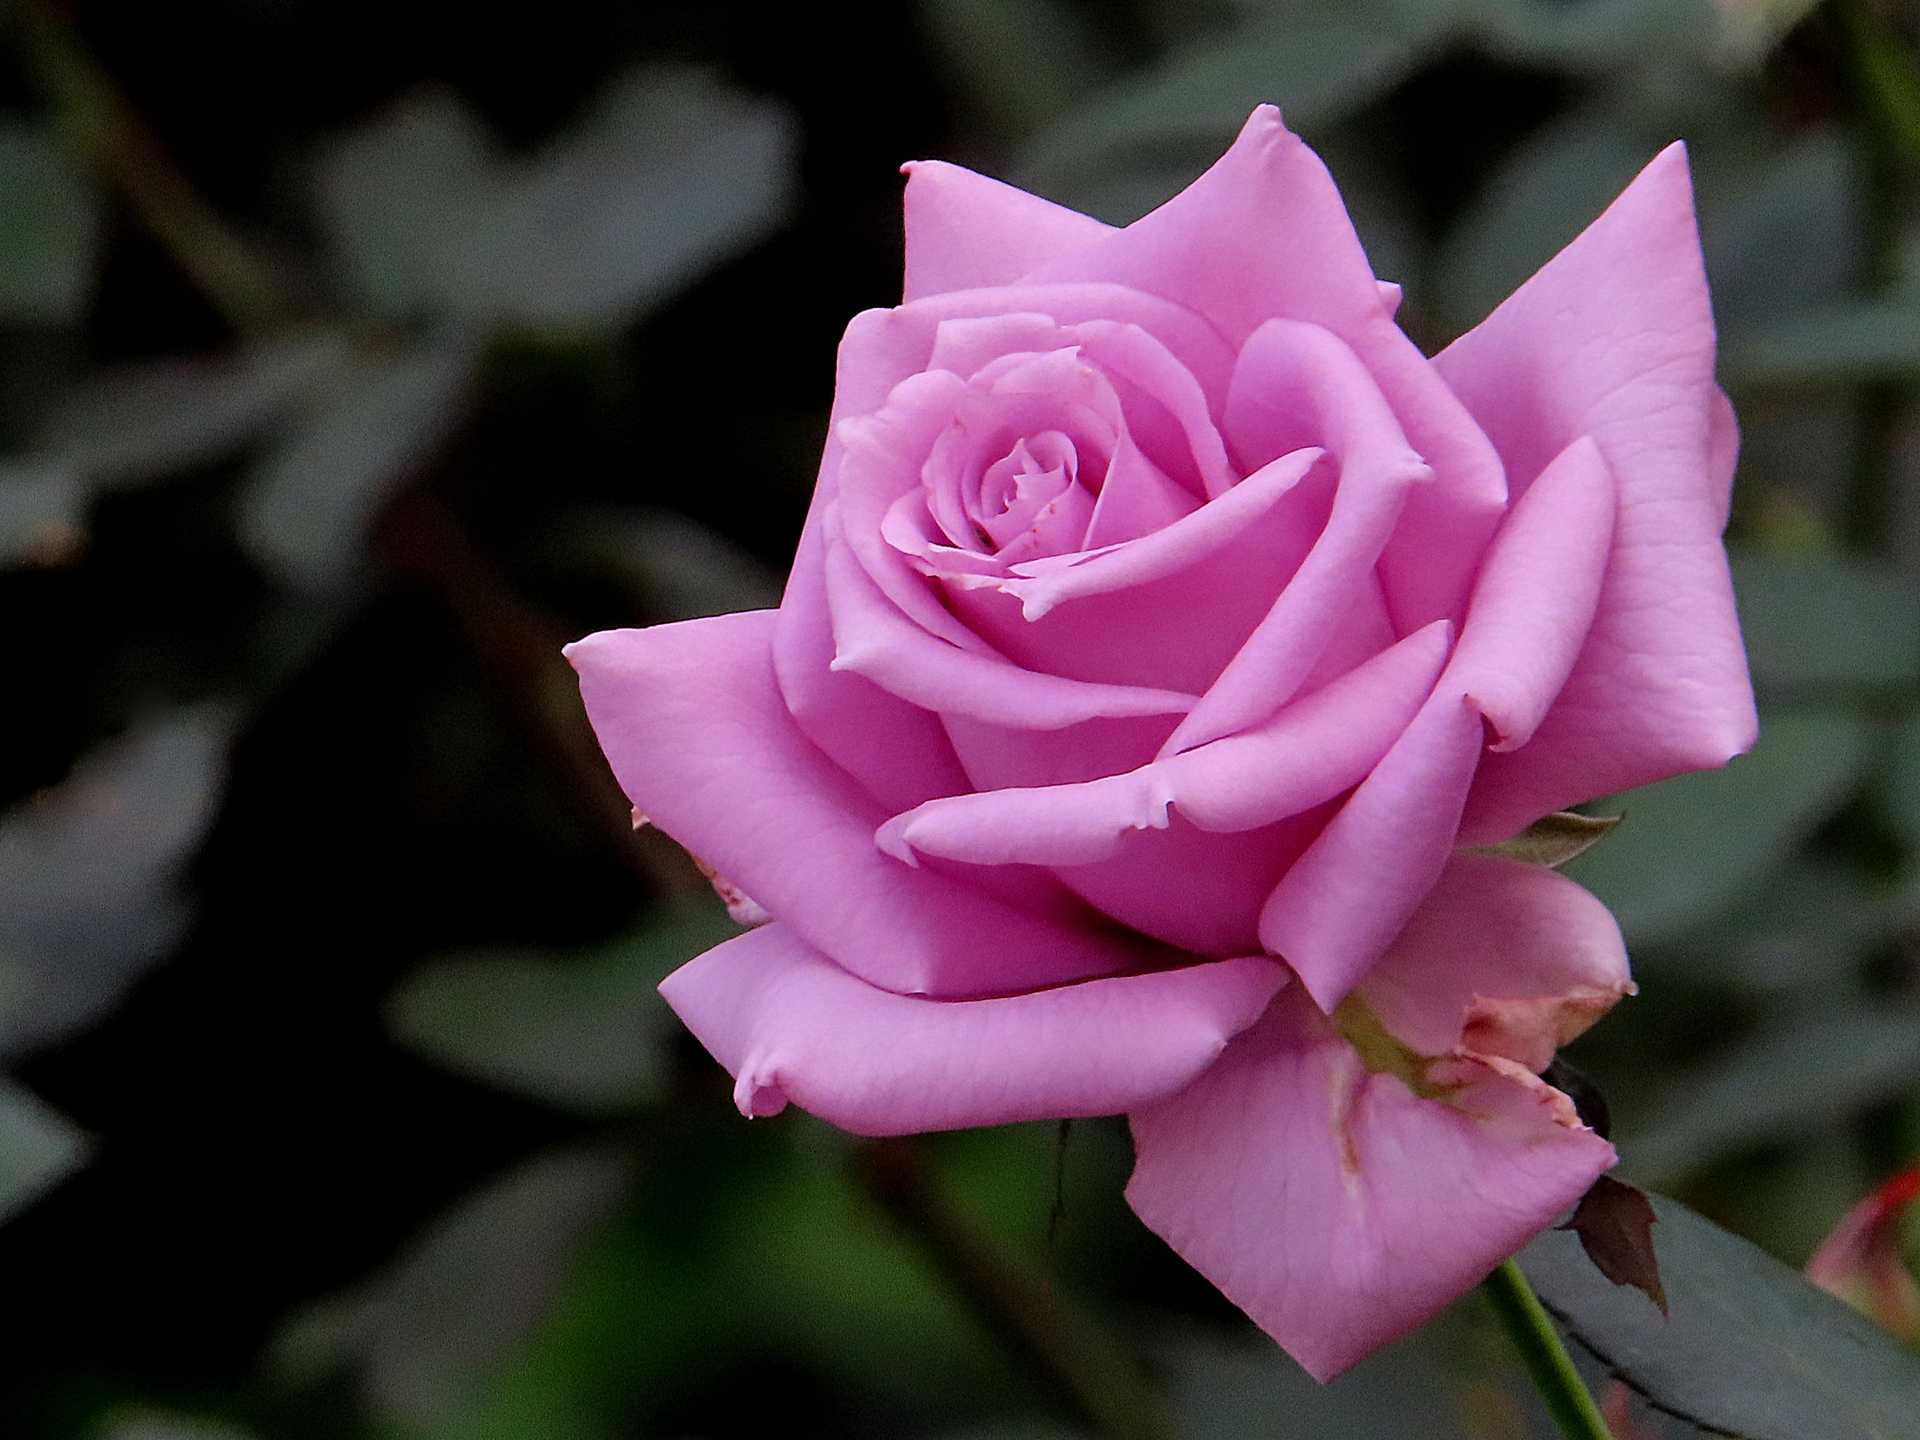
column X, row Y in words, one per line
column 1549, row 1366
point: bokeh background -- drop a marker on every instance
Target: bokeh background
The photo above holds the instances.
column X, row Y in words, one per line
column 354, row 356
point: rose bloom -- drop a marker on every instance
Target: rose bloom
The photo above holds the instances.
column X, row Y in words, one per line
column 1166, row 635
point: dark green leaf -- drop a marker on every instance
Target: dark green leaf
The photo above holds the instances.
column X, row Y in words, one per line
column 1694, row 842
column 1751, row 1349
column 582, row 1033
column 1823, row 622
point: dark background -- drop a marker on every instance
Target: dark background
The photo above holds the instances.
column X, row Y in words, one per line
column 277, row 1103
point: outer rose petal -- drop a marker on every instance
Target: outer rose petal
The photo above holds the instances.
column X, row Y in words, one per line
column 965, row 231
column 791, row 1025
column 693, row 725
column 1334, row 1206
column 1614, row 339
column 1504, row 958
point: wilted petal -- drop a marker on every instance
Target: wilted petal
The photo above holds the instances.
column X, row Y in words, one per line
column 790, row 1025
column 1335, row 1206
column 1504, row 958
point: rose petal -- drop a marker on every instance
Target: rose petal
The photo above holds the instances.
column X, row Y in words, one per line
column 1334, row 1206
column 1515, row 958
column 1307, row 754
column 1297, row 384
column 693, row 725
column 1264, row 234
column 792, row 1026
column 872, row 638
column 1614, row 339
column 1537, row 595
column 896, row 750
column 1346, row 898
column 965, row 231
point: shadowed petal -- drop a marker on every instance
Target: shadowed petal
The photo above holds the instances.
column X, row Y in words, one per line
column 1504, row 958
column 1334, row 1206
column 693, row 725
column 790, row 1025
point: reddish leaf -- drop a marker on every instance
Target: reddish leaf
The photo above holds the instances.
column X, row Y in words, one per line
column 1615, row 1224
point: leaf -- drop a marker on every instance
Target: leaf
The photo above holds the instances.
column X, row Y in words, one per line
column 1826, row 622
column 1614, row 1221
column 1750, row 1347
column 1790, row 1080
column 309, row 500
column 1598, row 35
column 1692, row 843
column 136, row 422
column 1902, row 790
column 669, row 173
column 145, row 1424
column 1317, row 62
column 1839, row 345
column 1555, row 839
column 430, row 1335
column 89, row 871
column 581, row 1033
column 672, row 567
column 49, row 230
column 39, row 1147
column 1789, row 240
column 1023, row 62
column 41, row 513
column 391, row 191
column 1230, row 1389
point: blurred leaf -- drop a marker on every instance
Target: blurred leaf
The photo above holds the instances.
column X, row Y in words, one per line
column 669, row 173
column 751, row 1243
column 1753, row 27
column 1751, row 1348
column 1232, row 1389
column 1317, row 62
column 1838, row 345
column 390, row 191
column 1023, row 61
column 431, row 1335
column 1805, row 1073
column 1597, row 35
column 582, row 1033
column 41, row 512
column 1693, row 842
column 1552, row 187
column 160, row 416
column 49, row 224
column 39, row 1147
column 1800, row 934
column 673, row 567
column 1902, row 792
column 160, row 1425
column 309, row 501
column 1826, row 621
column 1789, row 241
column 88, row 872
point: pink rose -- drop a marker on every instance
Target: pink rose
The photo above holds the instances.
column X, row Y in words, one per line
column 1165, row 628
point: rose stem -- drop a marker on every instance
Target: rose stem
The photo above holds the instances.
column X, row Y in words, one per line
column 105, row 130
column 1549, row 1366
column 1080, row 1365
